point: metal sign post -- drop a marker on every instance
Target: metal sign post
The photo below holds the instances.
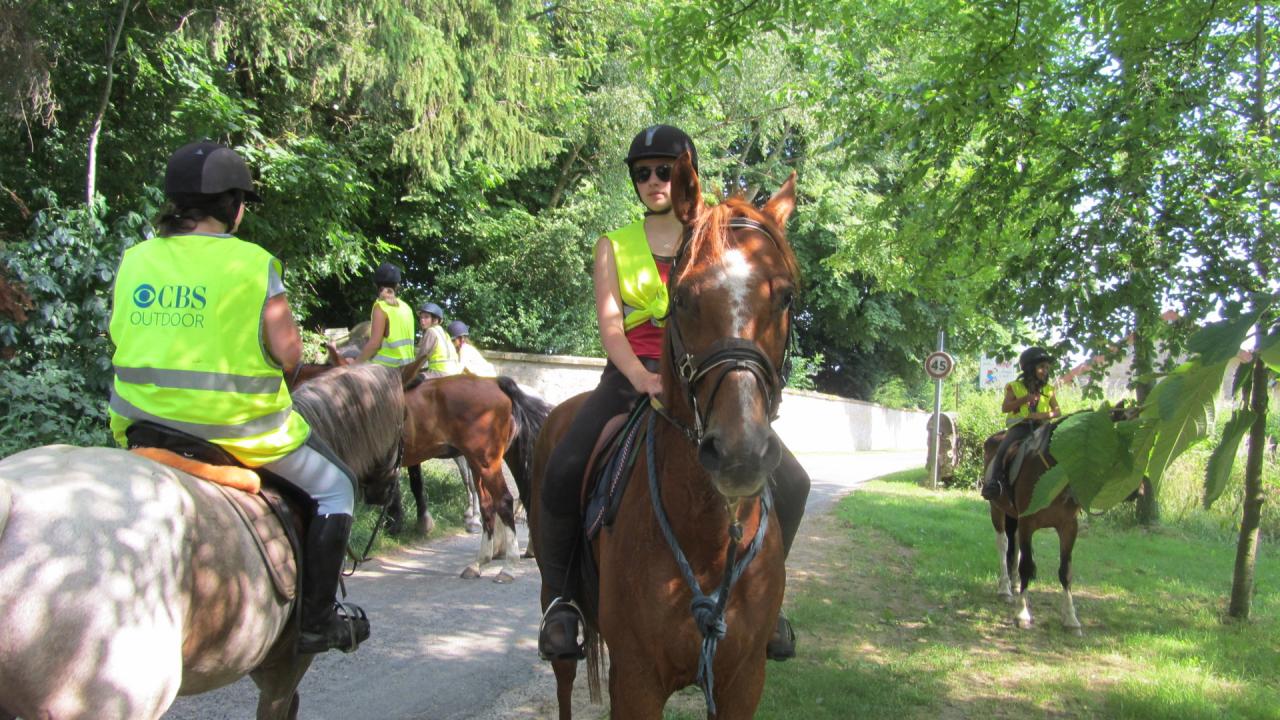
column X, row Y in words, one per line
column 937, row 366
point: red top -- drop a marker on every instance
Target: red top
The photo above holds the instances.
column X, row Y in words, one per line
column 646, row 338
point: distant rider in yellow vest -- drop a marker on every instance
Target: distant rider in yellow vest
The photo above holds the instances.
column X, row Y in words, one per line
column 204, row 336
column 630, row 278
column 390, row 322
column 468, row 356
column 442, row 357
column 1029, row 402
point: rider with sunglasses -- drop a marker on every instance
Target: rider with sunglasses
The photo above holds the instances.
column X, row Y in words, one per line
column 630, row 273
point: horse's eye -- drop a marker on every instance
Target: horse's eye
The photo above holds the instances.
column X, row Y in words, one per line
column 786, row 297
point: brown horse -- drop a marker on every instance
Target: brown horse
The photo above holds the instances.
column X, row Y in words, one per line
column 126, row 582
column 708, row 458
column 485, row 421
column 1009, row 518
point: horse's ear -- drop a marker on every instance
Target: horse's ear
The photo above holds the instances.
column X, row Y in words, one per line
column 335, row 357
column 686, row 191
column 783, row 202
column 410, row 371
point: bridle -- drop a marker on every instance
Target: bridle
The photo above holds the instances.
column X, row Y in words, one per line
column 725, row 355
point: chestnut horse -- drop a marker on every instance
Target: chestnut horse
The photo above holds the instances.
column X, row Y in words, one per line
column 708, row 457
column 485, row 421
column 1009, row 518
column 126, row 583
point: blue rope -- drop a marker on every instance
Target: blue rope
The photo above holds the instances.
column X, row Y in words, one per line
column 708, row 610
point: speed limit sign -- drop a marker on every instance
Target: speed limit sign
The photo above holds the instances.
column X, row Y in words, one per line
column 939, row 365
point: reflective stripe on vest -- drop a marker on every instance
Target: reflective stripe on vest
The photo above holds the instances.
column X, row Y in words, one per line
column 186, row 321
column 444, row 356
column 397, row 346
column 644, row 295
column 1020, row 391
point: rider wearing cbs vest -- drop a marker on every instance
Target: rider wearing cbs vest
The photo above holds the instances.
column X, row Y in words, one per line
column 442, row 356
column 469, row 358
column 1029, row 402
column 203, row 336
column 390, row 323
column 630, row 275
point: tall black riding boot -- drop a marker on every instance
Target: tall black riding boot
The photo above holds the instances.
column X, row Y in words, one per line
column 790, row 493
column 326, row 623
column 558, row 638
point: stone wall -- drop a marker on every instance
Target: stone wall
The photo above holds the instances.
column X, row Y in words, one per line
column 809, row 421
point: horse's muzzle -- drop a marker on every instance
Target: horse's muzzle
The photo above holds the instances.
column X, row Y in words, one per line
column 740, row 466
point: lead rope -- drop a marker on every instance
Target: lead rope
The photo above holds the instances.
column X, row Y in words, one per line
column 708, row 610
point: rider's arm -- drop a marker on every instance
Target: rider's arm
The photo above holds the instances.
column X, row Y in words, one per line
column 377, row 330
column 610, row 319
column 280, row 334
column 1054, row 410
column 1013, row 402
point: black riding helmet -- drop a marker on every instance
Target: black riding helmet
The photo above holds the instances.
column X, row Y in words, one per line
column 431, row 308
column 387, row 275
column 207, row 168
column 1031, row 357
column 661, row 141
column 458, row 329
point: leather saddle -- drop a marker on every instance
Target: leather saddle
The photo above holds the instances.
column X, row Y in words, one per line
column 272, row 511
column 1034, row 446
column 609, row 468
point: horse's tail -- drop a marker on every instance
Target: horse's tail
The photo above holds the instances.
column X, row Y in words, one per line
column 595, row 653
column 528, row 413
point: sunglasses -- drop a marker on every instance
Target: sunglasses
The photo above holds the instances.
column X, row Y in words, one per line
column 641, row 174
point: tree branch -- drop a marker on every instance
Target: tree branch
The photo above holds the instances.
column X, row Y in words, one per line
column 96, row 128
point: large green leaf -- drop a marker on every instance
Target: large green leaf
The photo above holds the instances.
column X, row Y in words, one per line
column 1087, row 447
column 1052, row 482
column 1224, row 456
column 1221, row 341
column 1182, row 404
column 1270, row 350
column 1136, row 440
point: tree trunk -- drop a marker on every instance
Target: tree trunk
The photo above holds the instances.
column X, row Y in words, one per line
column 91, row 180
column 1251, row 519
column 1147, row 507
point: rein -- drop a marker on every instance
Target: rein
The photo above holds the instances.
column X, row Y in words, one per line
column 708, row 610
column 377, row 525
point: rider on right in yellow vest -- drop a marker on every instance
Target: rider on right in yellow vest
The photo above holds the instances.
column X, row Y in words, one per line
column 1029, row 402
column 442, row 357
column 469, row 358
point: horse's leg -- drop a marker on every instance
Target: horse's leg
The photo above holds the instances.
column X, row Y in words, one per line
column 566, row 671
column 740, row 697
column 426, row 523
column 486, row 551
column 1026, row 572
column 278, row 687
column 635, row 694
column 395, row 510
column 471, row 517
column 1066, row 543
column 1004, row 587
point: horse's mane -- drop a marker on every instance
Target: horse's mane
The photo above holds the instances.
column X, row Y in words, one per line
column 359, row 412
column 709, row 236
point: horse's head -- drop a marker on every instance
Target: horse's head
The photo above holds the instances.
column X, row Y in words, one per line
column 728, row 329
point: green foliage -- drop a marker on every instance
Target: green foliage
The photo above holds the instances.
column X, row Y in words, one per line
column 1224, row 455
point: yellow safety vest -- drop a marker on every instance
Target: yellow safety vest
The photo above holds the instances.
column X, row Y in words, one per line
column 1024, row 412
column 644, row 295
column 473, row 362
column 186, row 320
column 444, row 356
column 397, row 346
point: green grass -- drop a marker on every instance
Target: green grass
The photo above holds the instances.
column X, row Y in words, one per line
column 446, row 499
column 898, row 618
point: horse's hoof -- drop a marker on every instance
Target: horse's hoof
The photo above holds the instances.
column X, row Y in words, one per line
column 1077, row 631
column 470, row 574
column 527, row 554
column 504, row 578
column 1024, row 623
column 1006, row 596
column 426, row 526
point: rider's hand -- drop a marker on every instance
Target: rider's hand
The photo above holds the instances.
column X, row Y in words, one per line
column 648, row 383
column 1033, row 400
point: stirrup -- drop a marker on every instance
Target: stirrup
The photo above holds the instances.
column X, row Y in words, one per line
column 782, row 643
column 349, row 628
column 544, row 650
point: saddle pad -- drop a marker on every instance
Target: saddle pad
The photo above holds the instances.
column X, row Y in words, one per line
column 1036, row 445
column 269, row 534
column 610, row 469
column 235, row 477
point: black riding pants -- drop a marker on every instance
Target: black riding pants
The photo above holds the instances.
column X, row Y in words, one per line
column 615, row 395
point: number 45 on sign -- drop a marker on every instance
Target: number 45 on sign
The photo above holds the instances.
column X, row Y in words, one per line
column 939, row 365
